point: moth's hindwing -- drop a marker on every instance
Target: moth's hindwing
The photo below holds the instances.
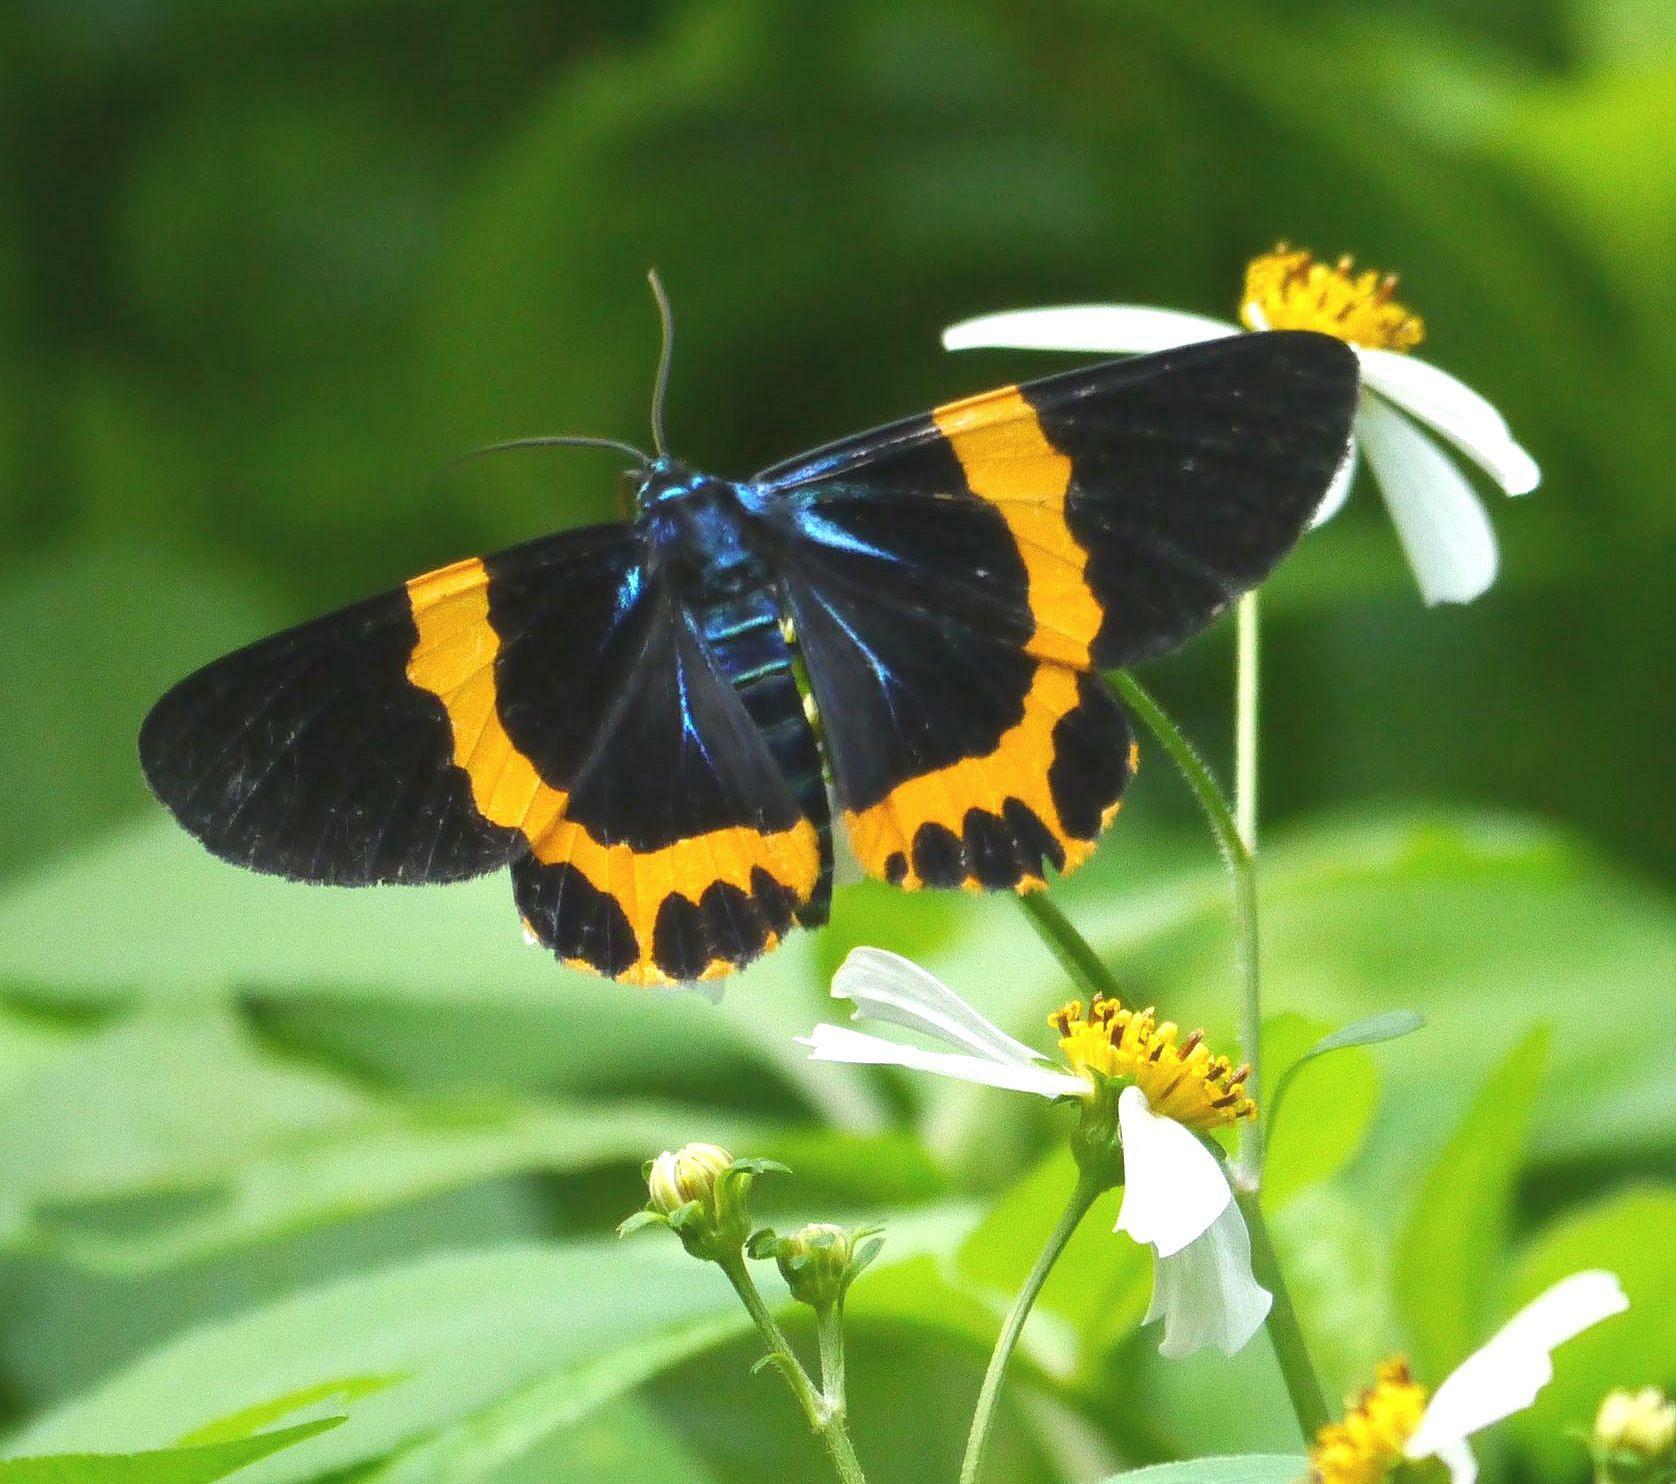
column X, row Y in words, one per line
column 663, row 845
column 958, row 579
column 542, row 708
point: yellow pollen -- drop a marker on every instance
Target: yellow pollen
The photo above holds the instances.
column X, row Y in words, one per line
column 1288, row 290
column 1181, row 1081
column 1368, row 1445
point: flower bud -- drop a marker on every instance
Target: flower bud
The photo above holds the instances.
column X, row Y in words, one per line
column 689, row 1174
column 1635, row 1437
column 699, row 1192
column 821, row 1260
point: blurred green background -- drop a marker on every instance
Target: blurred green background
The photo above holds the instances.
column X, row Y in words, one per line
column 264, row 267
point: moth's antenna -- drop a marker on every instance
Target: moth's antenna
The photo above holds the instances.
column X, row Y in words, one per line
column 666, row 317
column 557, row 440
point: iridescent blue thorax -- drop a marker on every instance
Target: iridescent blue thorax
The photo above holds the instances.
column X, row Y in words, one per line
column 700, row 536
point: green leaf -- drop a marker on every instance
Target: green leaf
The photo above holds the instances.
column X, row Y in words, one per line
column 627, row 1441
column 1371, row 1031
column 203, row 928
column 468, row 1330
column 1327, row 1120
column 195, row 1464
column 1245, row 1468
column 1628, row 1234
column 518, row 1425
column 1450, row 1251
column 130, row 1177
column 248, row 1421
column 496, row 1349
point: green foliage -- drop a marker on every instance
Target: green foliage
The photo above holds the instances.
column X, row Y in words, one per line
column 1450, row 1250
column 268, row 265
column 193, row 1464
column 1629, row 1234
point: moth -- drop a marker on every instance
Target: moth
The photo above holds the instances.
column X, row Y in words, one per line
column 652, row 721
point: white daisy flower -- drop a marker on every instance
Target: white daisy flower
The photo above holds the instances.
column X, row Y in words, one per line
column 1393, row 1422
column 1176, row 1197
column 1443, row 527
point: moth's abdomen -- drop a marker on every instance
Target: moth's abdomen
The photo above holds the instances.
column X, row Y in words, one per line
column 743, row 632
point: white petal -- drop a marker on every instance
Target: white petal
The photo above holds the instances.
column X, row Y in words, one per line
column 1452, row 407
column 1504, row 1376
column 1106, row 329
column 1173, row 1187
column 886, row 986
column 1206, row 1295
column 840, row 1043
column 1442, row 526
column 1339, row 490
column 1461, row 1462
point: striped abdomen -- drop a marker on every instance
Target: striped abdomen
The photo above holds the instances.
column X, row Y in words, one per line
column 743, row 632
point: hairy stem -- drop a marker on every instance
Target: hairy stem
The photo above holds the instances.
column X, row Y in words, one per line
column 1302, row 1384
column 1243, row 874
column 829, row 1327
column 1250, row 1167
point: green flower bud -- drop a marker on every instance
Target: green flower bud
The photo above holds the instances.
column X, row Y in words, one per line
column 821, row 1260
column 689, row 1174
column 700, row 1193
column 1634, row 1438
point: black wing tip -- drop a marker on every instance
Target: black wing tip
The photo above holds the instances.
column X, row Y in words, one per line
column 1312, row 351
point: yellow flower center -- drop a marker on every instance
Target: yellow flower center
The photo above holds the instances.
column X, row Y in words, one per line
column 1184, row 1082
column 1368, row 1445
column 1288, row 290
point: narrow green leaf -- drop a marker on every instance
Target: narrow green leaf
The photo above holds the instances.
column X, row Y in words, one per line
column 1246, row 1468
column 197, row 1464
column 1449, row 1255
column 248, row 1421
column 1328, row 1122
column 1366, row 1032
column 515, row 1427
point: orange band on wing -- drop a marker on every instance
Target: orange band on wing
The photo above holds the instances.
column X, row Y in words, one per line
column 1017, row 770
column 454, row 659
column 1009, row 462
column 642, row 880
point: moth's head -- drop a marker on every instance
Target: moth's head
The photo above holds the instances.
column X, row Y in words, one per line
column 662, row 480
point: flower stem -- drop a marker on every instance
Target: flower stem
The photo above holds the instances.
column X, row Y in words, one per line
column 1237, row 843
column 1087, row 1190
column 1243, row 874
column 1245, row 721
column 1303, row 1386
column 1069, row 946
column 828, row 1423
column 1250, row 1166
column 829, row 1327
